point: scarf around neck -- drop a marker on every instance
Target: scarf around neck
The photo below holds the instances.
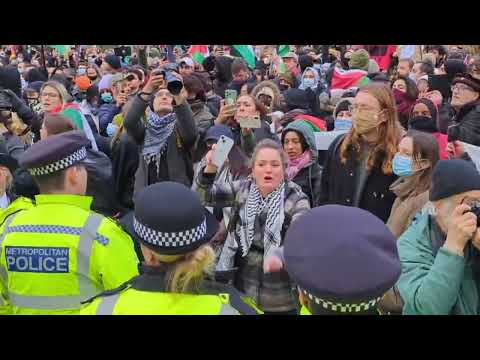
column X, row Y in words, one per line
column 404, row 187
column 295, row 165
column 157, row 132
column 256, row 204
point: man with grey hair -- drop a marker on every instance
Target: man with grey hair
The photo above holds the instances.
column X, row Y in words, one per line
column 440, row 251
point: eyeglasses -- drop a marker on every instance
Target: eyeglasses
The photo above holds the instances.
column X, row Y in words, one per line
column 461, row 87
column 49, row 95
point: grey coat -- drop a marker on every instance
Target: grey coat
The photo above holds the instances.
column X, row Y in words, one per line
column 179, row 144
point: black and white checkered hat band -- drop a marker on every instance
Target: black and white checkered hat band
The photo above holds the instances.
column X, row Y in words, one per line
column 170, row 239
column 341, row 307
column 77, row 156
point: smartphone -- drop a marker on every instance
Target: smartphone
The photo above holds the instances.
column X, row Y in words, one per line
column 222, row 149
column 230, row 97
column 250, row 122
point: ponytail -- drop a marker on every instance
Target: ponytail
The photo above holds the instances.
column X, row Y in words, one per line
column 187, row 274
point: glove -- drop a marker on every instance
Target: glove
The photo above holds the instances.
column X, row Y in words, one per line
column 16, row 102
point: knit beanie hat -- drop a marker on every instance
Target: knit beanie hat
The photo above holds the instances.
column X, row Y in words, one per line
column 452, row 177
column 359, row 60
column 343, row 105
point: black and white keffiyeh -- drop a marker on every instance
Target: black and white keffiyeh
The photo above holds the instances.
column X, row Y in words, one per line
column 256, row 204
column 157, row 132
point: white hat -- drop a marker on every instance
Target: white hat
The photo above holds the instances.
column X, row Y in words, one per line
column 187, row 61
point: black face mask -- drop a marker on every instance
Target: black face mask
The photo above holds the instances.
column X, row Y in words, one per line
column 93, row 78
column 423, row 123
column 283, row 87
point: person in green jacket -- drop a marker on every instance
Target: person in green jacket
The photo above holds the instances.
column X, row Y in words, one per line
column 439, row 251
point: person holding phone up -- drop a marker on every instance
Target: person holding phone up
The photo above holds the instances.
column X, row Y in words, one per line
column 167, row 136
column 246, row 107
column 263, row 207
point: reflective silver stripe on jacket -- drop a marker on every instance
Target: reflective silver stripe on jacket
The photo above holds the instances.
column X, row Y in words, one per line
column 88, row 234
column 107, row 305
column 3, row 271
column 227, row 309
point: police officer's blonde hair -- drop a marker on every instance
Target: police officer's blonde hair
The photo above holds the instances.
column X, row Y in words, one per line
column 8, row 181
column 187, row 273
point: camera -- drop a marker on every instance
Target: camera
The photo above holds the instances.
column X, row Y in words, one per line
column 475, row 208
column 174, row 85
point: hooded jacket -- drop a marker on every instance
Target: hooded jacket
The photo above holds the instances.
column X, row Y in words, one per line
column 317, row 79
column 310, row 177
column 276, row 92
column 10, row 79
column 430, row 127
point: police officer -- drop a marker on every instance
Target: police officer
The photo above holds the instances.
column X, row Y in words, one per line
column 342, row 270
column 173, row 228
column 59, row 253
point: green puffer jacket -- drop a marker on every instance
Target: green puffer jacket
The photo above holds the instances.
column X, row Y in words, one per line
column 430, row 284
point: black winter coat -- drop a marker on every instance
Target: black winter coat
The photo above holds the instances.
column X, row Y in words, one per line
column 339, row 182
column 125, row 157
column 467, row 124
column 310, row 180
column 100, row 184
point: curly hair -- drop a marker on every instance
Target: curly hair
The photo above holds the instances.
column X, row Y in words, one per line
column 389, row 132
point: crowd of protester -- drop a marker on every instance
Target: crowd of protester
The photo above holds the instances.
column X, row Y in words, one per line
column 383, row 219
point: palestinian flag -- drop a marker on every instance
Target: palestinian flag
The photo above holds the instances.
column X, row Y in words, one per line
column 283, row 49
column 246, row 52
column 344, row 79
column 198, row 53
column 62, row 49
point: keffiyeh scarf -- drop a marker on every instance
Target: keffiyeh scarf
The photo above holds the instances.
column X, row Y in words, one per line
column 255, row 205
column 157, row 132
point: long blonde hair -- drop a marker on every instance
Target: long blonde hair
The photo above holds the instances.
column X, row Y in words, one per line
column 187, row 274
column 8, row 180
column 389, row 132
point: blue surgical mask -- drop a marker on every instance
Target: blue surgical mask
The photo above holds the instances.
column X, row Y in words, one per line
column 402, row 165
column 308, row 82
column 342, row 124
column 81, row 71
column 107, row 97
